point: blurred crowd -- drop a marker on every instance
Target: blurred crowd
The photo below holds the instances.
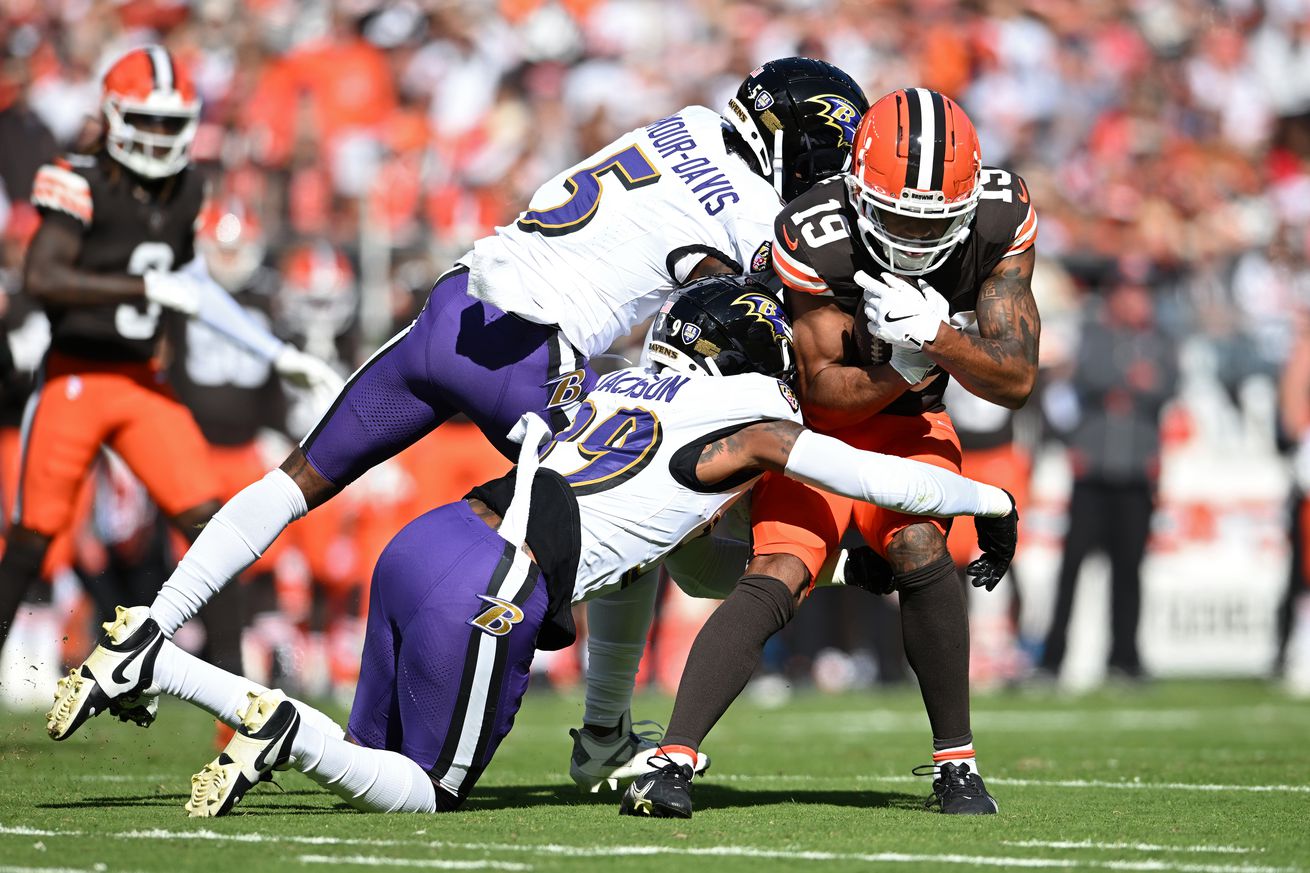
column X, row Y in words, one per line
column 364, row 144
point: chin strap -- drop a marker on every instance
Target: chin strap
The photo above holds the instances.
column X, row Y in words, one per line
column 777, row 161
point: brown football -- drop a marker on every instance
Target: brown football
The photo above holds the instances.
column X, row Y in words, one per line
column 868, row 349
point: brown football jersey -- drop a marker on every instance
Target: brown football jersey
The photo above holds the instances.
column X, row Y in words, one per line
column 126, row 227
column 816, row 251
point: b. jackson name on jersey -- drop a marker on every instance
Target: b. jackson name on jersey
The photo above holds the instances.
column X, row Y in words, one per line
column 816, row 252
column 126, row 227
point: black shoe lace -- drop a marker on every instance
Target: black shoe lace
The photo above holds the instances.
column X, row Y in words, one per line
column 670, row 768
column 945, row 782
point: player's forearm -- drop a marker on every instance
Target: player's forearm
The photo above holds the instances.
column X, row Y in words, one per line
column 68, row 286
column 894, row 483
column 1003, row 371
column 837, row 395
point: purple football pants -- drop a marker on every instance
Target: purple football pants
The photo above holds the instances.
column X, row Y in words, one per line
column 460, row 355
column 452, row 629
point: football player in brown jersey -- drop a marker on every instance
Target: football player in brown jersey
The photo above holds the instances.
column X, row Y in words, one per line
column 115, row 248
column 915, row 242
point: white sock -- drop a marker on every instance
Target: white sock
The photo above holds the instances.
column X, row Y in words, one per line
column 220, row 693
column 617, row 625
column 956, row 755
column 372, row 780
column 233, row 539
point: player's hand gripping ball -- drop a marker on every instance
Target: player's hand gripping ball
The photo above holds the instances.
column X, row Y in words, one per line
column 899, row 313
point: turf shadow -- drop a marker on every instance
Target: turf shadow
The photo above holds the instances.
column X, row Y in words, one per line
column 708, row 795
column 263, row 803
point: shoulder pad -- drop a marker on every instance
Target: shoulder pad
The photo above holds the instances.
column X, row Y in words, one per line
column 1006, row 216
column 59, row 188
column 792, row 258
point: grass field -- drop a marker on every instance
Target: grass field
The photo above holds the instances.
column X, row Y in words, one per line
column 1194, row 777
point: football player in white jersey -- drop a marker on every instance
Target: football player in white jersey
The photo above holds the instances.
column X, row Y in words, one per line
column 465, row 594
column 509, row 329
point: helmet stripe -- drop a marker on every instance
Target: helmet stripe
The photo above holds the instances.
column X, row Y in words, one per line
column 939, row 139
column 913, row 138
column 163, row 66
column 923, row 134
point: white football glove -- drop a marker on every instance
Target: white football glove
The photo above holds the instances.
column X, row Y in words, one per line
column 913, row 365
column 900, row 313
column 176, row 291
column 307, row 371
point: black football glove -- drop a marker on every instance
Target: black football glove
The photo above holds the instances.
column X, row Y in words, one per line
column 997, row 537
column 869, row 570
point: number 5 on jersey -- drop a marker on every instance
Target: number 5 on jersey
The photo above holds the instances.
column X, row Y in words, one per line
column 630, row 166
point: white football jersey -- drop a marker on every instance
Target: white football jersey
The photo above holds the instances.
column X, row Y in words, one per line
column 628, row 454
column 603, row 243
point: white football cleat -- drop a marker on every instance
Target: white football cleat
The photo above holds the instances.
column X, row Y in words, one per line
column 602, row 762
column 261, row 745
column 117, row 676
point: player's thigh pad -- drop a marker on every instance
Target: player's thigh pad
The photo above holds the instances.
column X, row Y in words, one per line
column 791, row 518
column 494, row 366
column 929, row 438
column 451, row 634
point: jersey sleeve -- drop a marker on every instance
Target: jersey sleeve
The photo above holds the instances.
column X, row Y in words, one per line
column 1025, row 237
column 57, row 188
column 791, row 260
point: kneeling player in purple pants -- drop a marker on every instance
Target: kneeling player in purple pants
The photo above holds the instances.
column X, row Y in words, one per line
column 464, row 595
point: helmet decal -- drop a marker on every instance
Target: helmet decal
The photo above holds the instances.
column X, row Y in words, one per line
column 766, row 310
column 840, row 113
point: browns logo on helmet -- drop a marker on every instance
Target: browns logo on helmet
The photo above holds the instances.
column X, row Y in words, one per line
column 914, row 179
column 151, row 112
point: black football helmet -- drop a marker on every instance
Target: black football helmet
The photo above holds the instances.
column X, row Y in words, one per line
column 793, row 120
column 723, row 325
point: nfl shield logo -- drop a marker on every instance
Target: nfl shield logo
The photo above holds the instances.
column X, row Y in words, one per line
column 763, row 101
column 690, row 333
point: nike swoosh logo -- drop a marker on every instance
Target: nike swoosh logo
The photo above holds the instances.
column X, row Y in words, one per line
column 119, row 673
column 892, row 318
column 786, row 237
column 1023, row 192
column 262, row 758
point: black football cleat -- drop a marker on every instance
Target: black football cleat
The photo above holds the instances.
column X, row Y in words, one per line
column 664, row 792
column 957, row 791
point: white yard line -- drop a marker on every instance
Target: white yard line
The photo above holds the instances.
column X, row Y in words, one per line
column 1135, row 847
column 874, row 720
column 1146, row 866
column 9, row 868
column 425, row 863
column 1004, row 780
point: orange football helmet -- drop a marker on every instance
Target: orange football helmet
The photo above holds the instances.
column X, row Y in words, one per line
column 318, row 294
column 914, row 179
column 151, row 112
column 231, row 239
